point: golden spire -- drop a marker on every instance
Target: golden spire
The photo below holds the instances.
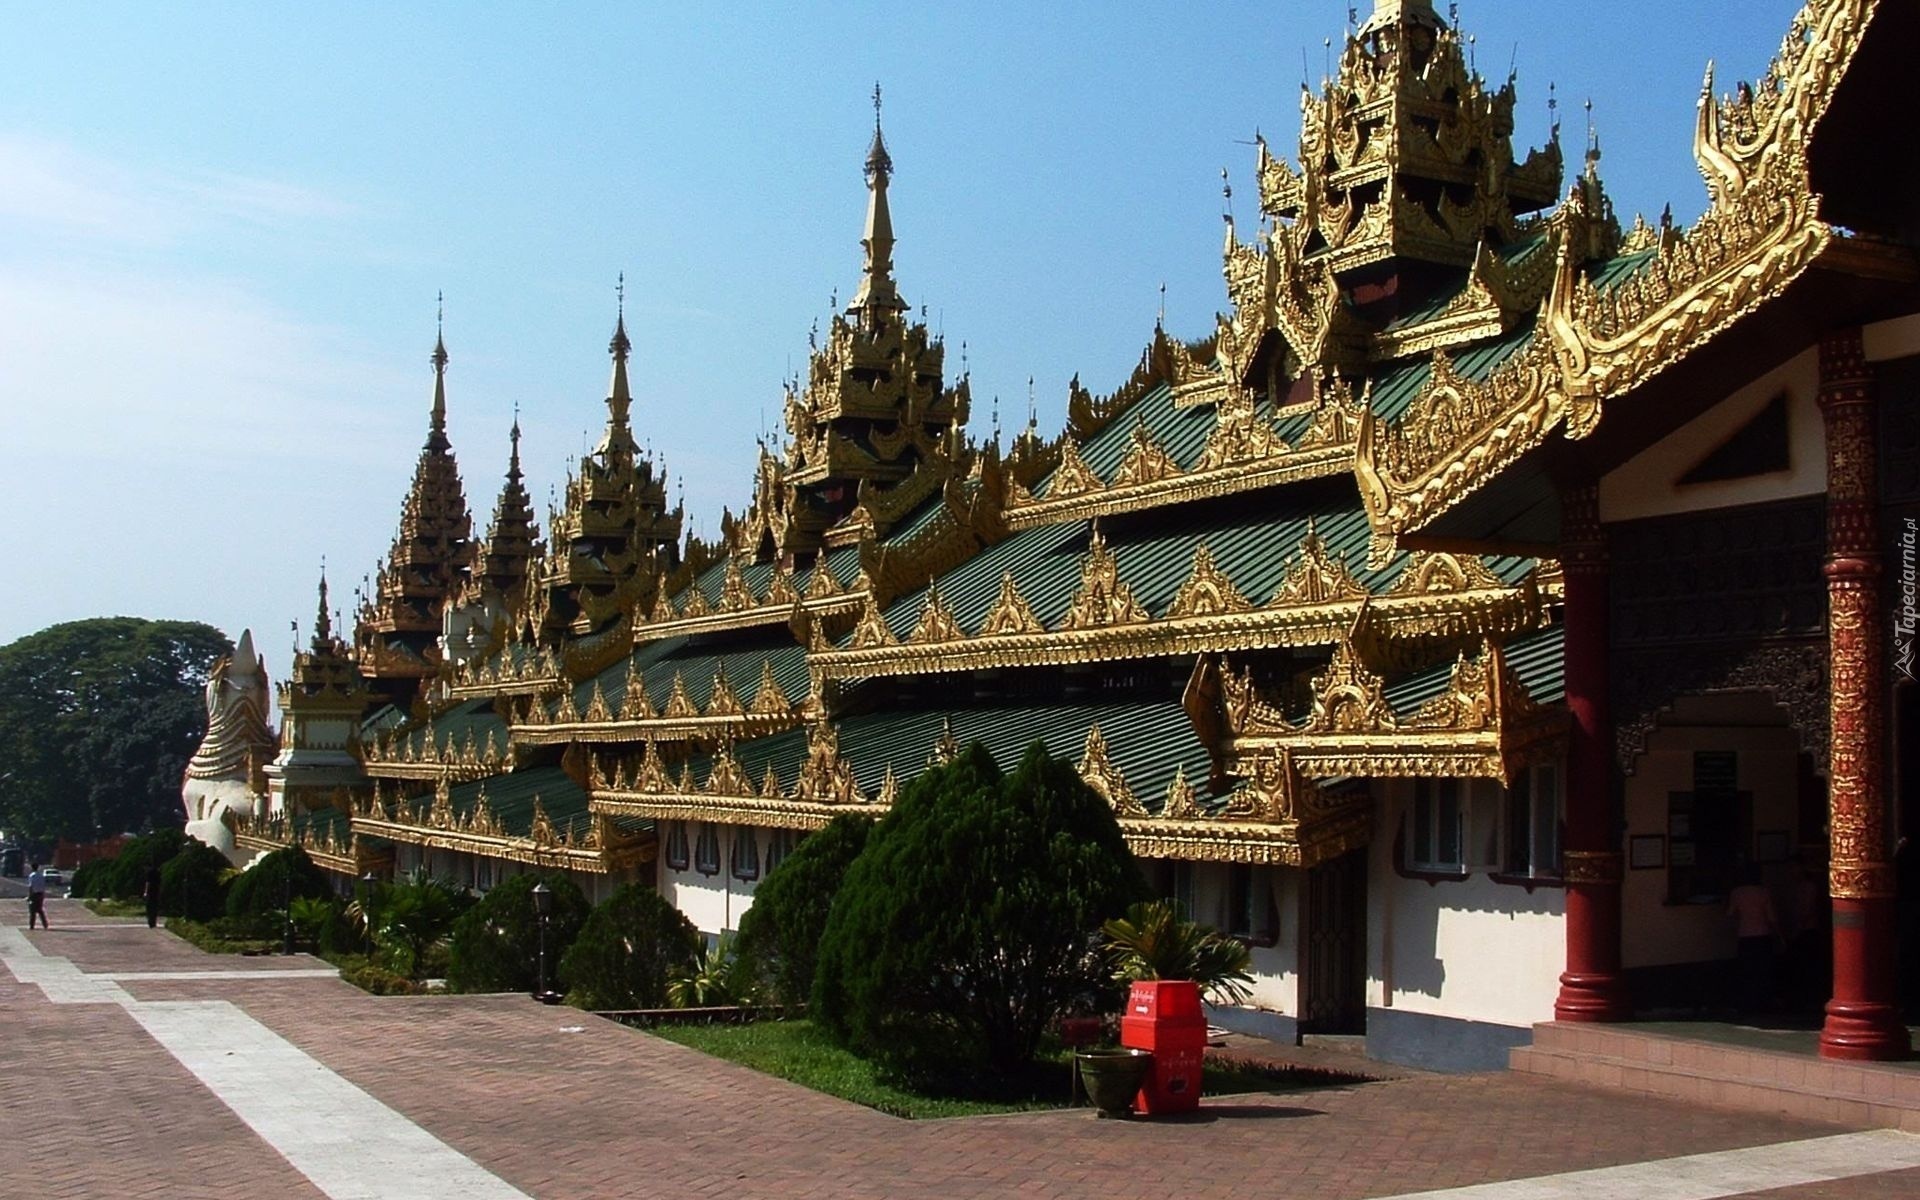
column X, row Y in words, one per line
column 1398, row 12
column 618, row 440
column 437, row 424
column 501, row 563
column 876, row 292
column 323, row 623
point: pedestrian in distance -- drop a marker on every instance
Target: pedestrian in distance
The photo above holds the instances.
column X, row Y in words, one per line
column 1757, row 930
column 37, row 896
column 152, row 894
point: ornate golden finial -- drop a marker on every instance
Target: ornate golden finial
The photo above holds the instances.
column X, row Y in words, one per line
column 876, row 293
column 323, row 623
column 437, row 427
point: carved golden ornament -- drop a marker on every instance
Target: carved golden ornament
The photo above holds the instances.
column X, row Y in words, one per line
column 1100, row 774
column 824, row 777
column 780, row 590
column 663, row 610
column 724, row 776
column 684, row 784
column 946, row 747
column 1072, row 477
column 440, row 815
column 1102, row 599
column 695, row 604
column 1347, row 697
column 1316, row 577
column 566, row 713
column 889, row 789
column 634, row 705
column 821, row 584
column 735, row 595
column 1240, row 435
column 770, row 785
column 1207, row 590
column 679, row 704
column 768, row 698
column 597, row 710
column 723, row 702
column 936, row 621
column 1182, row 804
column 1435, row 573
column 1011, row 614
column 872, row 630
column 1146, row 461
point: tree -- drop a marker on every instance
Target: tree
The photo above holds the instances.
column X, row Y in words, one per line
column 264, row 887
column 496, row 944
column 193, row 883
column 97, row 721
column 969, row 921
column 628, row 950
column 780, row 935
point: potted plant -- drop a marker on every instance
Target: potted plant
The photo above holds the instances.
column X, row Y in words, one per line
column 1171, row 962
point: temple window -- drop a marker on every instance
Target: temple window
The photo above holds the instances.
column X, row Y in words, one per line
column 1533, row 823
column 1438, row 837
column 706, row 851
column 779, row 845
column 677, row 856
column 746, row 855
column 1252, row 915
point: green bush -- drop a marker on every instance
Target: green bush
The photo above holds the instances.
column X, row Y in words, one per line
column 970, row 920
column 629, row 948
column 717, row 977
column 371, row 977
column 780, row 935
column 193, row 883
column 128, row 878
column 410, row 918
column 262, row 887
column 495, row 945
column 89, row 878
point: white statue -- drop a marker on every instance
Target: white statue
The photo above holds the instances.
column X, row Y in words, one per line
column 224, row 775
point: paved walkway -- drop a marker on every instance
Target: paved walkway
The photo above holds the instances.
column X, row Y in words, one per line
column 191, row 1075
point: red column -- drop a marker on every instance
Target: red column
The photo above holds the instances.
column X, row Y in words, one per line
column 1863, row 1021
column 1591, row 989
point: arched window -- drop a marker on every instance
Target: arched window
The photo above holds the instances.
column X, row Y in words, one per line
column 746, row 854
column 677, row 856
column 779, row 845
column 706, row 851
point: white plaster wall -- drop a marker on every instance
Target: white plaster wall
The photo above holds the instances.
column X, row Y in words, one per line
column 1656, row 933
column 713, row 903
column 1645, row 486
column 1276, row 968
column 1896, row 338
column 1474, row 950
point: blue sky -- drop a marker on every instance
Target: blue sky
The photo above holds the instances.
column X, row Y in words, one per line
column 222, row 228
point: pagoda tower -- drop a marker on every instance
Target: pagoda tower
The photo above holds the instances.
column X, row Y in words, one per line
column 615, row 535
column 874, row 409
column 397, row 638
column 321, row 704
column 496, row 586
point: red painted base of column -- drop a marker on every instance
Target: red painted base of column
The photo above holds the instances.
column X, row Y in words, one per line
column 1862, row 1022
column 1591, row 997
column 1592, row 987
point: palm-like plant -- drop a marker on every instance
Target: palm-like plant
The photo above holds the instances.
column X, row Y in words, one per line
column 413, row 915
column 718, row 976
column 310, row 915
column 1153, row 941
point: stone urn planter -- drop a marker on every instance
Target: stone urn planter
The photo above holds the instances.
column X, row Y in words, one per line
column 1113, row 1078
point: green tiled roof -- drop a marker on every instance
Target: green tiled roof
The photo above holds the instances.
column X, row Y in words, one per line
column 1395, row 388
column 696, row 660
column 1147, row 741
column 843, row 563
column 1536, row 661
column 469, row 716
column 1513, row 255
column 1254, row 540
column 511, row 797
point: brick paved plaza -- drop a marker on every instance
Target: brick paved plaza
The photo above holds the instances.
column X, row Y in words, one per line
column 103, row 1101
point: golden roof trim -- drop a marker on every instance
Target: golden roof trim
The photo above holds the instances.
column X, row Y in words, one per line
column 1184, row 487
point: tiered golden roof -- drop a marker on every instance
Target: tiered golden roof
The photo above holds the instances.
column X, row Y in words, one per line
column 614, row 535
column 396, row 639
column 502, row 563
column 325, row 680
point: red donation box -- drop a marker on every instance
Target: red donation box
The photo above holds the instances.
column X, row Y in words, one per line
column 1163, row 1017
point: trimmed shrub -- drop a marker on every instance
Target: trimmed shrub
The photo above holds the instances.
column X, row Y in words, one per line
column 90, row 877
column 780, row 935
column 262, row 887
column 970, row 921
column 496, row 944
column 128, row 878
column 193, row 883
column 631, row 945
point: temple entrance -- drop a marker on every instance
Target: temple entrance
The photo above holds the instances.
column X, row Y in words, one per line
column 1333, row 950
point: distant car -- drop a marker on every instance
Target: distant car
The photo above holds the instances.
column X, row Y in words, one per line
column 56, row 878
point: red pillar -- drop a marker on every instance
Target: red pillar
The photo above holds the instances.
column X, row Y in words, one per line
column 1863, row 1021
column 1591, row 989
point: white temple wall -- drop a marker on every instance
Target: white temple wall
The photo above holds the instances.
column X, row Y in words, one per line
column 1647, row 486
column 1895, row 338
column 714, row 900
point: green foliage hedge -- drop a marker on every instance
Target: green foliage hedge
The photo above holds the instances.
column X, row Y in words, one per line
column 970, row 920
column 262, row 887
column 193, row 883
column 780, row 935
column 494, row 945
column 630, row 946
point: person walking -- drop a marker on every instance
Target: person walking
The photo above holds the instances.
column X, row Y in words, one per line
column 37, row 896
column 1757, row 929
column 152, row 894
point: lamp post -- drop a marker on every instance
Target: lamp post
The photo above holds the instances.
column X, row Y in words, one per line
column 542, row 909
column 287, row 870
column 366, row 908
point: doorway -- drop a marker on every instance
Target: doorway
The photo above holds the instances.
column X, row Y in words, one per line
column 1333, row 951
